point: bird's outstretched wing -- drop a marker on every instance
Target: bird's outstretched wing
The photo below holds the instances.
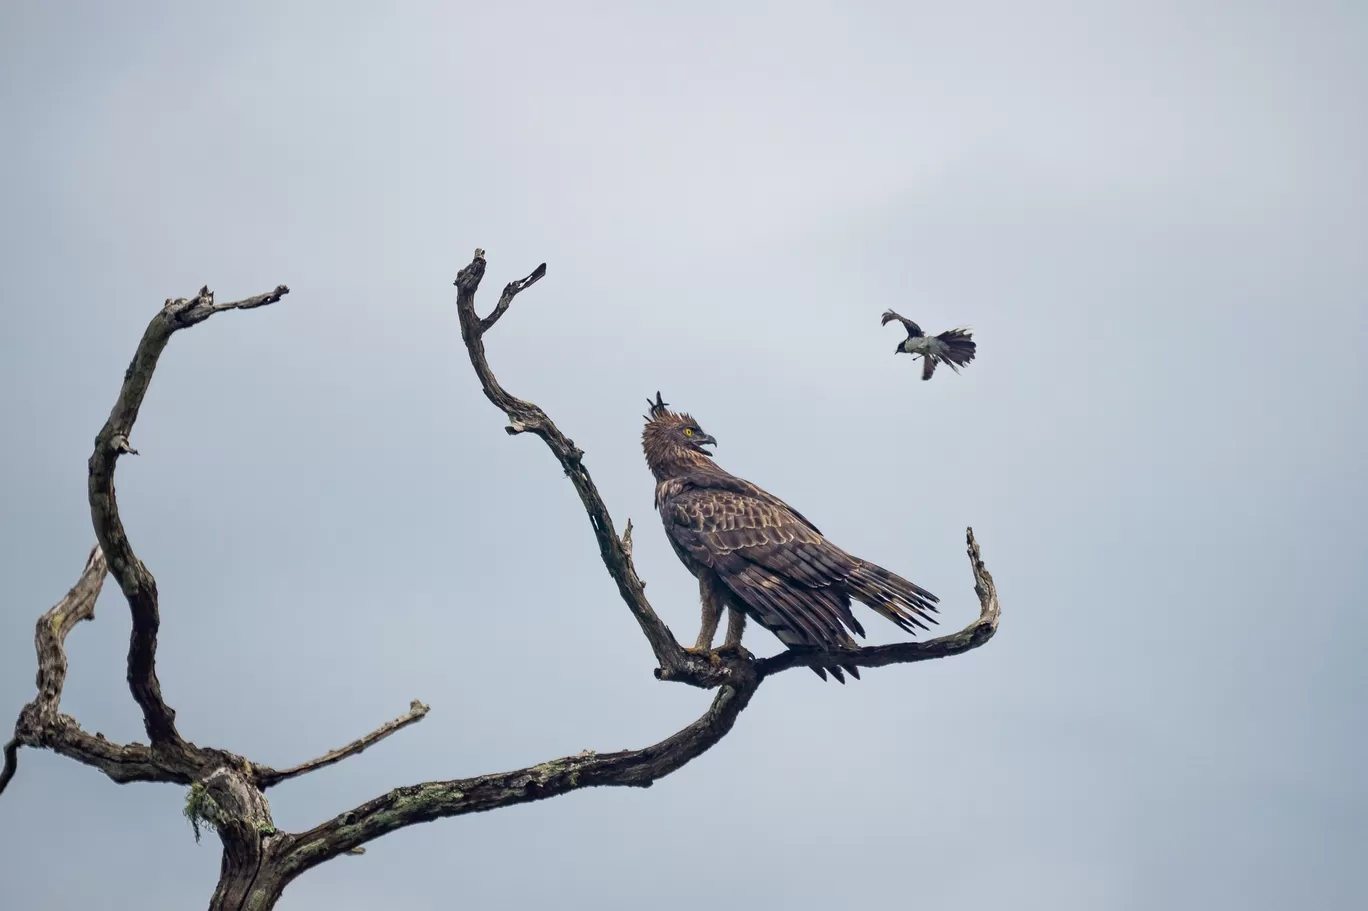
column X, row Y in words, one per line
column 780, row 569
column 913, row 330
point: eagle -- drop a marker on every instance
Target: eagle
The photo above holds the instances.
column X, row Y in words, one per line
column 955, row 347
column 760, row 558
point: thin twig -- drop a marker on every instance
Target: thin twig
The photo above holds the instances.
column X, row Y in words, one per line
column 510, row 291
column 270, row 777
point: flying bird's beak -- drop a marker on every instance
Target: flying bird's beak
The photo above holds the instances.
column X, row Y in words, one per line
column 899, row 349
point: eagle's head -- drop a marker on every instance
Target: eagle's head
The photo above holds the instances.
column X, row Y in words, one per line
column 672, row 441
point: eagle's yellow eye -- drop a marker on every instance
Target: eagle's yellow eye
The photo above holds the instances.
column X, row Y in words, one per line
column 688, row 431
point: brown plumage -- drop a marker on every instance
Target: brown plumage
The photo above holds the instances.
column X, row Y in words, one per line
column 760, row 558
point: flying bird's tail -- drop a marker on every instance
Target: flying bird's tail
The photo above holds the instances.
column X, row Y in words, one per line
column 960, row 347
column 905, row 603
column 957, row 348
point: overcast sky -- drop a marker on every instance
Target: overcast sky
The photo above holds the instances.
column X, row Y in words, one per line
column 1152, row 214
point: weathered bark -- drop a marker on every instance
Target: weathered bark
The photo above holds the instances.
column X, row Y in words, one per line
column 227, row 791
column 249, row 881
column 250, row 874
column 252, row 888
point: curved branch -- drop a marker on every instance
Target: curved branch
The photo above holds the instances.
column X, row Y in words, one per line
column 971, row 637
column 434, row 800
column 134, row 578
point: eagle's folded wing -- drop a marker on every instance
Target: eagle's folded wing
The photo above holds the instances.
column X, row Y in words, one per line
column 770, row 562
column 795, row 582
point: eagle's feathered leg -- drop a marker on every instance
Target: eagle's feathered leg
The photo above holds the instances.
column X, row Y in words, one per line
column 736, row 625
column 711, row 597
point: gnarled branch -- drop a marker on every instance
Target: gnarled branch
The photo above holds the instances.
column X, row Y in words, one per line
column 134, row 578
column 49, row 640
column 41, row 723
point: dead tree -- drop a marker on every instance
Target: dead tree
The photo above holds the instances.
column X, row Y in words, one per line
column 227, row 791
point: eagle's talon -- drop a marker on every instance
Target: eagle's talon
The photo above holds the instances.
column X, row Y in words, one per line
column 707, row 654
column 734, row 651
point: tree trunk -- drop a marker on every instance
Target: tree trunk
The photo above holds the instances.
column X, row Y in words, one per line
column 251, row 876
column 255, row 887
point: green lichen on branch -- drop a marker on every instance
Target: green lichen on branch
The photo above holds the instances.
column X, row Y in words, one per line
column 201, row 810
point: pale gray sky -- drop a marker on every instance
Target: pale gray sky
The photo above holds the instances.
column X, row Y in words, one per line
column 1152, row 213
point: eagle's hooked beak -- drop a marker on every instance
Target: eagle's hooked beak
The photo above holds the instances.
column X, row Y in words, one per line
column 705, row 440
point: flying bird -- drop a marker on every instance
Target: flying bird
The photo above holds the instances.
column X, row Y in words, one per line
column 955, row 347
column 760, row 558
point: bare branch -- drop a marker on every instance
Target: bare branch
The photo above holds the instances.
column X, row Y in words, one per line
column 270, row 777
column 49, row 636
column 971, row 637
column 41, row 724
column 134, row 578
column 675, row 663
column 426, row 802
column 510, row 291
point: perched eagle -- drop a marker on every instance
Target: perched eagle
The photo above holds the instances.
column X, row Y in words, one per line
column 954, row 346
column 757, row 556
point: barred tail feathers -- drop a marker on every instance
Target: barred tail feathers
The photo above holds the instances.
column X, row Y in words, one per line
column 905, row 603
